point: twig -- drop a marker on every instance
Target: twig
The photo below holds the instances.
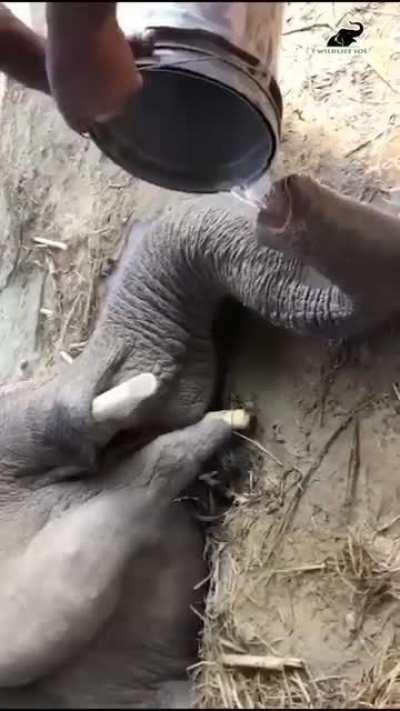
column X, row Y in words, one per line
column 385, row 81
column 315, row 26
column 231, row 645
column 67, row 321
column 364, row 144
column 120, row 186
column 46, row 312
column 237, row 419
column 299, row 569
column 50, row 243
column 297, row 680
column 287, row 688
column 353, row 468
column 101, row 230
column 339, row 22
column 66, row 357
column 262, row 449
column 225, row 701
column 252, row 661
column 78, row 344
column 318, row 461
column 386, row 526
column 236, row 699
column 328, row 376
column 266, row 577
column 396, row 390
column 294, row 503
column 91, row 290
column 202, row 582
column 331, row 677
column 17, row 258
column 198, row 614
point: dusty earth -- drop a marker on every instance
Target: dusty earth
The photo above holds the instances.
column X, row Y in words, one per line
column 306, row 566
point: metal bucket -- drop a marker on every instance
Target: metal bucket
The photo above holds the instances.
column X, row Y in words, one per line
column 208, row 118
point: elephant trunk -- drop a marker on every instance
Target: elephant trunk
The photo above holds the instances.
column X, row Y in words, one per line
column 352, row 244
column 269, row 284
column 262, row 279
column 357, row 33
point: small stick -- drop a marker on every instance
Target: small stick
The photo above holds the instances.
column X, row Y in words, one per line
column 353, row 472
column 119, row 186
column 307, row 28
column 294, row 503
column 364, row 144
column 46, row 312
column 78, row 344
column 385, row 81
column 299, row 569
column 252, row 661
column 262, row 449
column 298, row 681
column 396, row 390
column 50, row 243
column 391, row 523
column 66, row 357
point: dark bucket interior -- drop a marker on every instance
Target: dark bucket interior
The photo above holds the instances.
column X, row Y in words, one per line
column 186, row 132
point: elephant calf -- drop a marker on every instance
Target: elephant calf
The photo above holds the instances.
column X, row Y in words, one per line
column 98, row 567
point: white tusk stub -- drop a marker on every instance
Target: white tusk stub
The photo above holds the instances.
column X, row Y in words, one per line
column 119, row 403
column 237, row 419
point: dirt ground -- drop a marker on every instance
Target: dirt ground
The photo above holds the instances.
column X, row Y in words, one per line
column 306, row 566
column 306, row 563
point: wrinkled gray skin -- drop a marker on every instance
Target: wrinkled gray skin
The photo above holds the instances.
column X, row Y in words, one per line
column 100, row 568
column 158, row 316
column 98, row 573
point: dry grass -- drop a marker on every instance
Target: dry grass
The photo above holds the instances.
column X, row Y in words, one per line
column 258, row 677
column 372, row 573
column 380, row 686
column 372, row 566
column 366, row 564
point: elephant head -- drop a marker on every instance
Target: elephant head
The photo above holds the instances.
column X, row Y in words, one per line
column 345, row 37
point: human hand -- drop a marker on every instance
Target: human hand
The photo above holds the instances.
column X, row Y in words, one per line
column 90, row 65
column 22, row 52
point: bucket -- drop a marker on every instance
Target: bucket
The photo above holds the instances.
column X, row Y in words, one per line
column 209, row 114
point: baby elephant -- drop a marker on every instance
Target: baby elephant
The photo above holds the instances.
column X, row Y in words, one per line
column 98, row 569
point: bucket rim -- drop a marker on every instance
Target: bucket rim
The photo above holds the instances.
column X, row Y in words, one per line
column 142, row 166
